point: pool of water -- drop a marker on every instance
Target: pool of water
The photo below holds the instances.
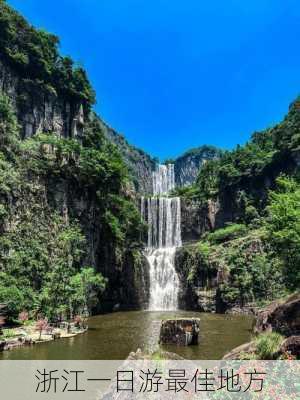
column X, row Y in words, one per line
column 114, row 336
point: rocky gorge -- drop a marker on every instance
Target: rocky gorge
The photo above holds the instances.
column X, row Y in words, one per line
column 222, row 227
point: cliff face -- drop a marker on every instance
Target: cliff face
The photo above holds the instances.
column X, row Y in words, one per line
column 198, row 283
column 38, row 111
column 197, row 218
column 187, row 166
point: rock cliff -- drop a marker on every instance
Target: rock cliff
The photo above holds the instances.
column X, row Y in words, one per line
column 187, row 166
column 39, row 111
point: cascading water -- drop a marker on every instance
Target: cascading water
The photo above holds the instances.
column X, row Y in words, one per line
column 163, row 216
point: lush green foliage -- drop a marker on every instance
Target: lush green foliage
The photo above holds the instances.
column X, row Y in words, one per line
column 85, row 289
column 34, row 54
column 246, row 268
column 231, row 231
column 232, row 168
column 252, row 277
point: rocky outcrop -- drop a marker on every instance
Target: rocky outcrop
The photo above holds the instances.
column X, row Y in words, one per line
column 280, row 317
column 197, row 218
column 182, row 332
column 187, row 166
column 198, row 285
column 39, row 110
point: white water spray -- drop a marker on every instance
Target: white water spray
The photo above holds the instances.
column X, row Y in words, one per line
column 163, row 216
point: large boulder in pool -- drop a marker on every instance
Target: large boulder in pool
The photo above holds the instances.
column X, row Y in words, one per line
column 182, row 332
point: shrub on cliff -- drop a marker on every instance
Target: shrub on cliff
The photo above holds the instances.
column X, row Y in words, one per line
column 228, row 233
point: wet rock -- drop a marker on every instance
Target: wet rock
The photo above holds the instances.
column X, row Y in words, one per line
column 182, row 332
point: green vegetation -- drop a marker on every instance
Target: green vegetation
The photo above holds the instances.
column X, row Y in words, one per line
column 247, row 270
column 283, row 227
column 33, row 53
column 41, row 247
column 230, row 232
column 268, row 345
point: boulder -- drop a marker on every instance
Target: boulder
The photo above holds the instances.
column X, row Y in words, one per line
column 240, row 352
column 291, row 345
column 182, row 332
column 280, row 317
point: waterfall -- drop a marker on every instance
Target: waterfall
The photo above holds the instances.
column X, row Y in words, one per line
column 163, row 216
column 163, row 179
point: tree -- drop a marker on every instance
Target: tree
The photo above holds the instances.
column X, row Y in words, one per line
column 86, row 286
column 11, row 295
column 41, row 325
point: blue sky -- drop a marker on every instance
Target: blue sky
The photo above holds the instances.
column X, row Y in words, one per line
column 173, row 74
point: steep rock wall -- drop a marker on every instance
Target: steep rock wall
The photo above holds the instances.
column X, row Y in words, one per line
column 198, row 285
column 39, row 111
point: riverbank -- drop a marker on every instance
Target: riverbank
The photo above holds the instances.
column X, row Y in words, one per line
column 29, row 336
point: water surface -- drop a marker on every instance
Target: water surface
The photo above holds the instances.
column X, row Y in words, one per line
column 114, row 336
